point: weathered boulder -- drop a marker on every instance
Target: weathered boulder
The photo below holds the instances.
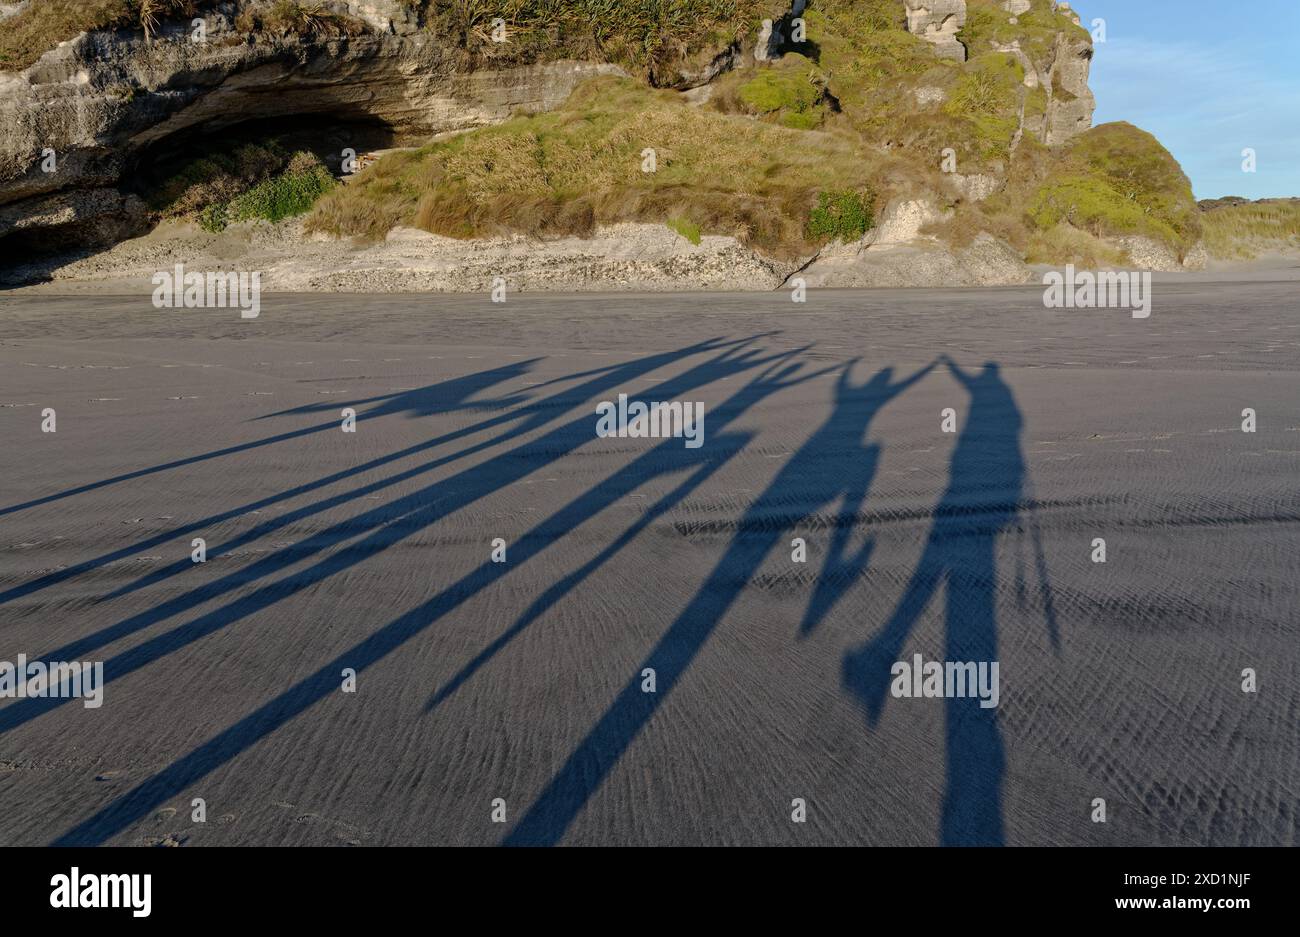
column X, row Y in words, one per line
column 901, row 222
column 1148, row 254
column 937, row 22
column 1070, row 104
column 985, row 262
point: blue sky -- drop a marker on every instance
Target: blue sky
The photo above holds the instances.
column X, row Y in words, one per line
column 1209, row 78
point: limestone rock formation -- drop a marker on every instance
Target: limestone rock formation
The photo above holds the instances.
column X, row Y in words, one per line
column 937, row 22
column 986, row 262
column 1070, row 102
column 390, row 16
column 104, row 101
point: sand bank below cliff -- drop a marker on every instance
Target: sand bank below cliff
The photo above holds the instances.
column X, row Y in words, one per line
column 621, row 257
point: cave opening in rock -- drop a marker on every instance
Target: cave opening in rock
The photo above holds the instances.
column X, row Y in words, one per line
column 174, row 176
column 330, row 137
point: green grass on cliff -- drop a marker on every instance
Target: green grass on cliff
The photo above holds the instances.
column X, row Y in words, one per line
column 790, row 92
column 255, row 180
column 1116, row 179
column 864, row 82
column 1059, row 206
column 565, row 171
column 988, row 27
column 43, row 24
column 654, row 38
column 984, row 102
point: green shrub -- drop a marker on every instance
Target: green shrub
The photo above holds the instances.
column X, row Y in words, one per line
column 216, row 177
column 1086, row 202
column 844, row 215
column 283, row 196
column 214, row 218
column 686, row 228
column 791, row 89
column 1116, row 179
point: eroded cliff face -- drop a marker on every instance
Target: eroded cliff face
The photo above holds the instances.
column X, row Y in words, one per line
column 78, row 122
column 937, row 22
column 1061, row 71
column 78, row 126
column 1070, row 103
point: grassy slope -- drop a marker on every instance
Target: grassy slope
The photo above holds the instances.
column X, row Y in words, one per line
column 855, row 81
column 1236, row 232
column 653, row 38
column 781, row 155
column 564, row 171
column 43, row 24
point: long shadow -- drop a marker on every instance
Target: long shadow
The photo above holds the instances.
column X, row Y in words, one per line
column 413, row 401
column 266, row 719
column 982, row 499
column 524, row 420
column 810, row 480
column 420, row 401
column 765, row 385
column 392, row 522
column 444, row 397
column 528, row 418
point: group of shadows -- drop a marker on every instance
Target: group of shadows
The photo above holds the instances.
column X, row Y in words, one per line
column 834, row 466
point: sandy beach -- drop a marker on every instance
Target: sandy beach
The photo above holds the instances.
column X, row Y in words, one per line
column 523, row 680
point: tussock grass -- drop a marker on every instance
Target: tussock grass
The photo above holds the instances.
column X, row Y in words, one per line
column 686, row 228
column 309, row 18
column 1241, row 231
column 43, row 24
column 985, row 98
column 651, row 37
column 216, row 177
column 566, row 171
column 1064, row 244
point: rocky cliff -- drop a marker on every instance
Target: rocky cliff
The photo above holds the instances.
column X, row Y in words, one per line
column 875, row 98
column 105, row 103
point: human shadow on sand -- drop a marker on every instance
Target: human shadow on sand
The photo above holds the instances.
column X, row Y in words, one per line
column 982, row 499
column 832, row 464
column 389, row 525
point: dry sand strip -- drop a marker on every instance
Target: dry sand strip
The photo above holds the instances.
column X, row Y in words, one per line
column 522, row 680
